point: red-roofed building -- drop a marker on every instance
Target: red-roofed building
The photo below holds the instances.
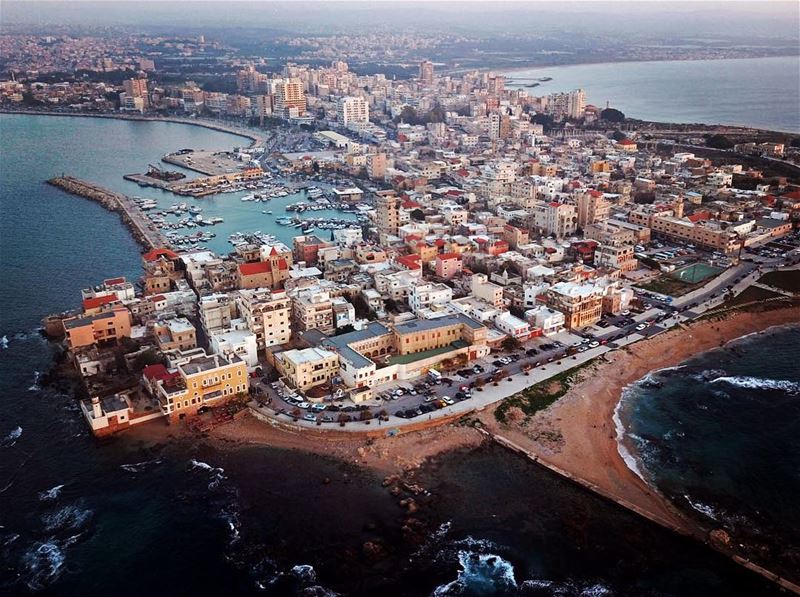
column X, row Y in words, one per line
column 97, row 304
column 700, row 216
column 409, row 262
column 156, row 254
column 448, row 265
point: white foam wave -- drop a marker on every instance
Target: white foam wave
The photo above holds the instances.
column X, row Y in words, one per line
column 3, row 342
column 704, row 509
column 12, row 437
column 35, row 386
column 51, row 493
column 627, row 456
column 305, row 573
column 71, row 517
column 44, row 562
column 136, row 467
column 480, row 574
column 761, row 383
column 217, row 473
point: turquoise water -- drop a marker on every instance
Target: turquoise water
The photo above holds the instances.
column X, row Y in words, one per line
column 134, row 145
column 758, row 92
column 697, row 272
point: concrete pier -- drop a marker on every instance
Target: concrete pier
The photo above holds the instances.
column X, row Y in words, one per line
column 135, row 219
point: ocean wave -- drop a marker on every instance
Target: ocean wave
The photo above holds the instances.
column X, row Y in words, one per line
column 37, row 375
column 480, row 574
column 3, row 342
column 304, row 573
column 44, row 563
column 627, row 456
column 71, row 517
column 217, row 473
column 760, row 383
column 12, row 437
column 569, row 588
column 704, row 509
column 710, row 374
column 136, row 467
column 51, row 493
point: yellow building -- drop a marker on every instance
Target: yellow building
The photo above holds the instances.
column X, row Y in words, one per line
column 308, row 367
column 197, row 380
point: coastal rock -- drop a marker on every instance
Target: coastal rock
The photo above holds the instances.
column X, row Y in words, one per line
column 373, row 550
column 719, row 537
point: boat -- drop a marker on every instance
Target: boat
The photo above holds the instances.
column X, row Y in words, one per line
column 249, row 197
column 269, row 212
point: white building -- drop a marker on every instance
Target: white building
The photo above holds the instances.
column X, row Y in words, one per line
column 427, row 296
column 512, row 326
column 548, row 320
column 352, row 110
column 238, row 340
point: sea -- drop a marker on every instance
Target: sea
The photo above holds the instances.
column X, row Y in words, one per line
column 167, row 516
column 757, row 92
column 718, row 435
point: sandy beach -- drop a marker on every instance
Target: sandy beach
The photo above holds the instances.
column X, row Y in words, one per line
column 577, row 433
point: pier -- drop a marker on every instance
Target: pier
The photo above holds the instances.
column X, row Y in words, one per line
column 135, row 219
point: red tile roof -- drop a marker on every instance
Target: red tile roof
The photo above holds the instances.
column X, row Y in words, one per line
column 251, row 269
column 98, row 301
column 409, row 261
column 446, row 256
column 114, row 281
column 155, row 254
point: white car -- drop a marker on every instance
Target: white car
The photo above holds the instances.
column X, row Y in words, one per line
column 594, row 344
column 641, row 326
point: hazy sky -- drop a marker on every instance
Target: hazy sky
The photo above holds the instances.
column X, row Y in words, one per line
column 707, row 18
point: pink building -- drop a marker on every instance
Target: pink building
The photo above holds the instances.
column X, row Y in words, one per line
column 448, row 265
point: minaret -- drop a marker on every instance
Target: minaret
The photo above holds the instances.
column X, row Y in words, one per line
column 97, row 411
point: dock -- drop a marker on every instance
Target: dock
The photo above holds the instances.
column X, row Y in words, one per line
column 134, row 218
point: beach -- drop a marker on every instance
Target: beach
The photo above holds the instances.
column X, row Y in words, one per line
column 577, row 434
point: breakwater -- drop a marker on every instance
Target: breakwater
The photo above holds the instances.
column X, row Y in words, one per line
column 134, row 218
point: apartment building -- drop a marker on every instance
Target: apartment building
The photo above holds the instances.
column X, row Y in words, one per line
column 196, row 380
column 307, row 367
column 103, row 328
column 352, row 110
column 290, row 98
column 175, row 334
column 267, row 314
column 559, row 219
column 429, row 296
column 448, row 265
column 581, row 304
column 313, row 309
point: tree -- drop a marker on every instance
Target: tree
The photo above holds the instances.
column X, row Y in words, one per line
column 418, row 215
column 618, row 136
column 719, row 142
column 544, row 119
column 511, row 343
column 612, row 115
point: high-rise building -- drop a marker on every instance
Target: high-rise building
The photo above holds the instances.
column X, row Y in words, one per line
column 290, row 98
column 426, row 72
column 136, row 88
column 388, row 213
column 352, row 109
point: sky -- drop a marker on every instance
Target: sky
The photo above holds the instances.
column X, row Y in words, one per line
column 720, row 17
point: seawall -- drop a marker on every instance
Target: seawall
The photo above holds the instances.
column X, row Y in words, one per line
column 133, row 217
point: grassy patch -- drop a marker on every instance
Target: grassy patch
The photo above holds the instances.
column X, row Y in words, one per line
column 749, row 295
column 670, row 286
column 541, row 395
column 788, row 280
